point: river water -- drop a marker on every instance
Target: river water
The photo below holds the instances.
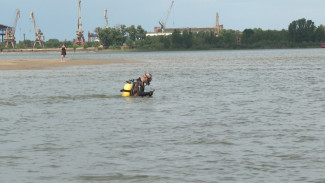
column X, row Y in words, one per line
column 215, row 116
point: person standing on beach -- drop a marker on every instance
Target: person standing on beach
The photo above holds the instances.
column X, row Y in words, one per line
column 63, row 53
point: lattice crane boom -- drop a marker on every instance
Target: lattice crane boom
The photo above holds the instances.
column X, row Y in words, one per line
column 80, row 40
column 163, row 23
column 32, row 17
column 217, row 31
column 79, row 18
column 15, row 24
column 105, row 15
column 170, row 9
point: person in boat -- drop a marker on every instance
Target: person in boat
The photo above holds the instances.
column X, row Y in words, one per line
column 138, row 86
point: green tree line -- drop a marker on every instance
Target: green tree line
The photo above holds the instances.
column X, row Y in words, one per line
column 51, row 43
column 121, row 35
column 136, row 38
column 301, row 33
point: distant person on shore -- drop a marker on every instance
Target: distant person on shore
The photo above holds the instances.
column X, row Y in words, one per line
column 63, row 53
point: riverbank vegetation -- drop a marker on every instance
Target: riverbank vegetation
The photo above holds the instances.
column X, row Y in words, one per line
column 51, row 43
column 301, row 33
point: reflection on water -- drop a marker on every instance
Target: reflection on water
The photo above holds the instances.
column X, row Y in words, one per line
column 216, row 116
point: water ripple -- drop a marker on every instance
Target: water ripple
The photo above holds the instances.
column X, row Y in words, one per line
column 118, row 177
column 216, row 116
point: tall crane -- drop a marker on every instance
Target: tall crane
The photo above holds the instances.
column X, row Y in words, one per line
column 105, row 15
column 217, row 31
column 80, row 40
column 38, row 33
column 10, row 32
column 163, row 23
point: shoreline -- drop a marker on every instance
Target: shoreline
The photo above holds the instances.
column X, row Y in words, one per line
column 100, row 50
column 40, row 64
column 47, row 50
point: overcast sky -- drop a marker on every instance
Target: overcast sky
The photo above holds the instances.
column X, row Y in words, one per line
column 59, row 18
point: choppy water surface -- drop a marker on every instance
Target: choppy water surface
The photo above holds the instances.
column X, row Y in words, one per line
column 216, row 116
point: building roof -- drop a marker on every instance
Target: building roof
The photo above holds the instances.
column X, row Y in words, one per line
column 3, row 27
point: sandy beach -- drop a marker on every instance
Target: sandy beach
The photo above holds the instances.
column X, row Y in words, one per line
column 37, row 64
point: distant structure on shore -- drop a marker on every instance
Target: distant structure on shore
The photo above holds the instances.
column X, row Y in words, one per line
column 163, row 31
column 80, row 40
column 9, row 37
column 94, row 36
column 169, row 31
column 3, row 29
column 38, row 33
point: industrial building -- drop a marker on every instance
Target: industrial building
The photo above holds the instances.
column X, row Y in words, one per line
column 164, row 31
column 3, row 29
column 168, row 31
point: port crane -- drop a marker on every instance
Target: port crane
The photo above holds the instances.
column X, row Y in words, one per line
column 105, row 15
column 38, row 33
column 163, row 23
column 9, row 38
column 80, row 40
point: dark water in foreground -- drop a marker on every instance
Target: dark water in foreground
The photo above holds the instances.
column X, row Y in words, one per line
column 216, row 116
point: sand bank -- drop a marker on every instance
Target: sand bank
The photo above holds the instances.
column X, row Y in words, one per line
column 36, row 64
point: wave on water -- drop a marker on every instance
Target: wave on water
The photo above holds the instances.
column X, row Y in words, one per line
column 63, row 99
column 6, row 103
column 11, row 157
column 112, row 177
column 82, row 97
column 22, row 99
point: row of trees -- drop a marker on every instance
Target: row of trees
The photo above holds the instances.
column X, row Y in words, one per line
column 110, row 38
column 51, row 43
column 300, row 33
column 190, row 40
column 119, row 35
column 136, row 37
